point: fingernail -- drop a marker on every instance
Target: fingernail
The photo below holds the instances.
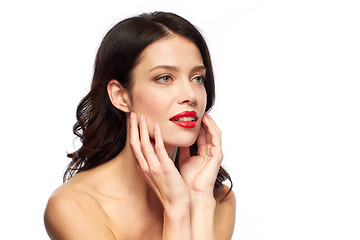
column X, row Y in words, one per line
column 142, row 118
column 132, row 115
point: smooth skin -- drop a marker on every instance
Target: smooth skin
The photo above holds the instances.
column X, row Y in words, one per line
column 78, row 210
column 194, row 188
column 140, row 194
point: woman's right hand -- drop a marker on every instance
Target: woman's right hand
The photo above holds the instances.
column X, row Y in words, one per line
column 156, row 166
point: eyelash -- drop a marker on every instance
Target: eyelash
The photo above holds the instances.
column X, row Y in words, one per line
column 202, row 80
column 169, row 78
column 160, row 79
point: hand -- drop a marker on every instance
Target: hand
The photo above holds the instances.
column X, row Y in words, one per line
column 155, row 164
column 199, row 172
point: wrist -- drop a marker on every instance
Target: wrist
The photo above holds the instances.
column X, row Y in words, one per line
column 177, row 214
column 201, row 202
column 178, row 208
column 177, row 219
column 177, row 203
column 203, row 207
column 196, row 196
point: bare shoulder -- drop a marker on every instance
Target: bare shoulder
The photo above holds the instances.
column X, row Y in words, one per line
column 72, row 213
column 225, row 213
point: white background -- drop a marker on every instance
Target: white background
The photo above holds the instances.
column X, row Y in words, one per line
column 288, row 103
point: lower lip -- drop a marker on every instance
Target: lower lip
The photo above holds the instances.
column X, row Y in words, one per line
column 185, row 124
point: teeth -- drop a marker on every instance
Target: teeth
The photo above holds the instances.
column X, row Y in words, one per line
column 185, row 119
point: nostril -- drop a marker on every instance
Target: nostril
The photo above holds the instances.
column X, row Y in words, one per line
column 187, row 93
column 194, row 102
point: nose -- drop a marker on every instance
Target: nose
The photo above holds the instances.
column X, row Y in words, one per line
column 187, row 93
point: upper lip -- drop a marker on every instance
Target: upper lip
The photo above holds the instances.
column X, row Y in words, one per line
column 185, row 114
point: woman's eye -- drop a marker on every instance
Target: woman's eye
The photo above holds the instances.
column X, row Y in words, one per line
column 164, row 79
column 198, row 79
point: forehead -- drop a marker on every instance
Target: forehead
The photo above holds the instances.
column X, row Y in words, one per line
column 173, row 50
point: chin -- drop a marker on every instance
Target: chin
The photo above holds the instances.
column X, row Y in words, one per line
column 181, row 141
column 185, row 144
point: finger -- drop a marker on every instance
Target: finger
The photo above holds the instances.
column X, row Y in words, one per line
column 213, row 133
column 201, row 141
column 135, row 143
column 208, row 139
column 147, row 154
column 217, row 129
column 159, row 145
column 146, row 146
column 213, row 137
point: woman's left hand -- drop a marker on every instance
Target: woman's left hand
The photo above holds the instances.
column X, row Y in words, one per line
column 199, row 172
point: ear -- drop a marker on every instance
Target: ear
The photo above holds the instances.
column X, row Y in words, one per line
column 118, row 95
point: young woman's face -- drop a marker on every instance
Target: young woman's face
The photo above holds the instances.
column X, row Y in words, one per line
column 169, row 90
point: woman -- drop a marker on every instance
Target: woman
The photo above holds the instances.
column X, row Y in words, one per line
column 136, row 176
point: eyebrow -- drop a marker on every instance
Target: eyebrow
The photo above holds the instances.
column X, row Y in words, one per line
column 176, row 69
column 167, row 67
column 199, row 68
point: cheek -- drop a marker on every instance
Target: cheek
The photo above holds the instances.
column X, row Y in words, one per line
column 154, row 105
column 145, row 101
column 202, row 100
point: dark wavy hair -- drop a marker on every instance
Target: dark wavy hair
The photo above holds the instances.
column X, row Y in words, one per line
column 100, row 126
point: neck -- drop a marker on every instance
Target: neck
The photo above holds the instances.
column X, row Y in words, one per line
column 123, row 178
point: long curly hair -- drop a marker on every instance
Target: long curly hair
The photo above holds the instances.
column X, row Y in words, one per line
column 100, row 126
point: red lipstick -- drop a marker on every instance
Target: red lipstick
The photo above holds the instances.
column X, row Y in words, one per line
column 186, row 119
